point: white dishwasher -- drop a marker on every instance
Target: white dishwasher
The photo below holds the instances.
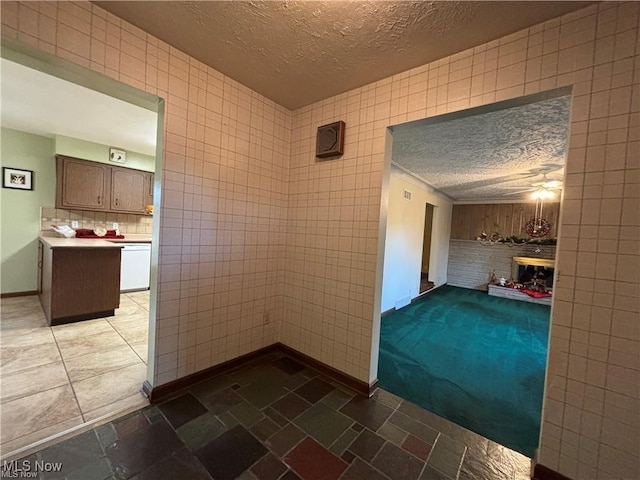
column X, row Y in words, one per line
column 135, row 267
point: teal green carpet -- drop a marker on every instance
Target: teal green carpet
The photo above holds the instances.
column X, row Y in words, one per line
column 476, row 360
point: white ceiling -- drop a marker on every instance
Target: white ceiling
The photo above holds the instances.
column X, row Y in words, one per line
column 298, row 52
column 490, row 152
column 42, row 104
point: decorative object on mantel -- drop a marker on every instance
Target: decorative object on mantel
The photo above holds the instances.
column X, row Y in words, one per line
column 330, row 140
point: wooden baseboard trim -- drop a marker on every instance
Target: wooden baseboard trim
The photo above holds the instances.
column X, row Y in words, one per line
column 353, row 383
column 84, row 316
column 19, row 294
column 387, row 312
column 177, row 387
column 540, row 472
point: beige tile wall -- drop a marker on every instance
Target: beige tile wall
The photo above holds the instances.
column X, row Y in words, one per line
column 225, row 174
column 248, row 214
column 591, row 423
column 127, row 223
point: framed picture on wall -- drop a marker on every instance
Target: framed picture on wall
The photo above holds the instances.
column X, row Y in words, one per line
column 17, row 178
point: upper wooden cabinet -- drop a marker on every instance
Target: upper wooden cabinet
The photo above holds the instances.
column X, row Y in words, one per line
column 86, row 185
column 128, row 190
column 82, row 184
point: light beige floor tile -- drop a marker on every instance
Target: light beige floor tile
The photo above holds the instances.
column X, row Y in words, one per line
column 29, row 439
column 29, row 338
column 17, row 358
column 133, row 320
column 20, row 324
column 135, row 400
column 141, row 349
column 36, row 412
column 90, row 344
column 33, row 380
column 72, row 331
column 134, row 334
column 95, row 392
column 128, row 309
column 92, row 364
column 142, row 298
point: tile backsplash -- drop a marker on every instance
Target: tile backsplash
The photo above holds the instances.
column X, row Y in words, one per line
column 127, row 223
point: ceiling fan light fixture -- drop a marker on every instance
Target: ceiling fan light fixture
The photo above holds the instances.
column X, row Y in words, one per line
column 542, row 194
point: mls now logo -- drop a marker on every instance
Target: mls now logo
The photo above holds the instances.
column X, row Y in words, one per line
column 27, row 468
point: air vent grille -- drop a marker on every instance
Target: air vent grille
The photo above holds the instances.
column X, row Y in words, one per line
column 406, row 194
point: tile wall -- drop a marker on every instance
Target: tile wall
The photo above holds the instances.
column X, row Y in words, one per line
column 224, row 192
column 295, row 240
column 591, row 424
column 86, row 219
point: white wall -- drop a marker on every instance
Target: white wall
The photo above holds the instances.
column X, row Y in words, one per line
column 405, row 233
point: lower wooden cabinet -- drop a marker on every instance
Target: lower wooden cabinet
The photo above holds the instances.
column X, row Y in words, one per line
column 78, row 283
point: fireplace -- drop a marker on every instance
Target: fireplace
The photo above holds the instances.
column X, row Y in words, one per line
column 537, row 271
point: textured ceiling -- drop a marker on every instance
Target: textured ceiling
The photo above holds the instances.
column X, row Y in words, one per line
column 299, row 52
column 73, row 111
column 485, row 153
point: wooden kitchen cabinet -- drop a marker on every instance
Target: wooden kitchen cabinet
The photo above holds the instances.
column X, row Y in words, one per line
column 82, row 185
column 78, row 283
column 87, row 185
column 128, row 190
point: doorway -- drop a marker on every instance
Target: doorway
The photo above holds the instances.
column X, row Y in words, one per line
column 425, row 283
column 494, row 155
column 66, row 377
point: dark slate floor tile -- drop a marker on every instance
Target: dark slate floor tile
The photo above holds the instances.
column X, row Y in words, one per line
column 392, row 433
column 284, row 440
column 268, row 468
column 432, row 474
column 153, row 414
column 367, row 445
column 348, row 457
column 130, row 424
column 314, row 390
column 200, row 431
column 367, row 412
column 205, row 389
column 100, row 470
column 220, row 401
column 264, row 429
column 290, row 475
column 423, row 432
column 262, row 392
column 337, row 398
column 290, row 406
column 231, row 453
column 397, row 464
column 74, row 454
column 140, row 450
column 323, row 423
column 288, row 365
column 107, row 435
column 387, row 398
column 275, row 416
column 447, row 456
column 311, row 461
column 182, row 410
column 247, row 415
column 416, row 446
column 343, row 442
column 178, row 466
column 360, row 470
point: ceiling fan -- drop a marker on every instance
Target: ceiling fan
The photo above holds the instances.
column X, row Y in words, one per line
column 544, row 189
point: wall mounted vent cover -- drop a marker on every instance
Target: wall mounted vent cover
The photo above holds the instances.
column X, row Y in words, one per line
column 330, row 140
column 406, row 194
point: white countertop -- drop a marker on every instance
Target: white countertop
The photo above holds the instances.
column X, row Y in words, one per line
column 59, row 242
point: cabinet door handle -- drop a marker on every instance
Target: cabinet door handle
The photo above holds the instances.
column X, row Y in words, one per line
column 99, row 200
column 116, row 202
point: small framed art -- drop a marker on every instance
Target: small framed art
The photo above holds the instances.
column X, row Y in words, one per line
column 17, row 178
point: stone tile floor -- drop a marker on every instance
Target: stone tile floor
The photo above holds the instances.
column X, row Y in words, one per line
column 56, row 378
column 274, row 418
